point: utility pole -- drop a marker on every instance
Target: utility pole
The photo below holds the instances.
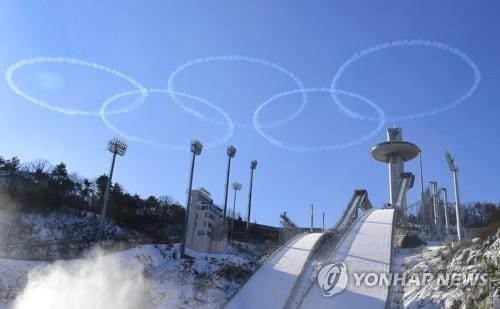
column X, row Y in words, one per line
column 454, row 170
column 196, row 148
column 116, row 146
column 253, row 166
column 231, row 152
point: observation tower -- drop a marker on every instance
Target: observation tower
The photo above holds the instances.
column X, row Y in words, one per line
column 396, row 152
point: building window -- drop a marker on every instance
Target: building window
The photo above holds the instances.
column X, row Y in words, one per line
column 200, row 233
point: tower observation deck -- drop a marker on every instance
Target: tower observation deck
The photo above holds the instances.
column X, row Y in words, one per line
column 395, row 152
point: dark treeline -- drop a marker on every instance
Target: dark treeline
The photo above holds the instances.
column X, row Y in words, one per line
column 42, row 188
column 484, row 216
column 481, row 214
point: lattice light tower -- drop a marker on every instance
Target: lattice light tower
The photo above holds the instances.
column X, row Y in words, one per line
column 116, row 146
column 395, row 152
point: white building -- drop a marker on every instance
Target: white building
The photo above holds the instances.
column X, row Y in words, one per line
column 206, row 229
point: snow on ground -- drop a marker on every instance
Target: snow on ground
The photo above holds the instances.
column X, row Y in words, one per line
column 147, row 276
column 27, row 235
column 271, row 285
column 13, row 278
column 63, row 224
column 436, row 258
column 365, row 248
column 309, row 274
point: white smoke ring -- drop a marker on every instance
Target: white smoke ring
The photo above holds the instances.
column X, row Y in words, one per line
column 72, row 112
column 227, row 135
column 297, row 148
column 425, row 43
column 264, row 62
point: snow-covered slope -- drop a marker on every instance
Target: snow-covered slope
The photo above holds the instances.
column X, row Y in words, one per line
column 365, row 248
column 65, row 224
column 271, row 285
column 147, row 276
column 62, row 234
column 471, row 258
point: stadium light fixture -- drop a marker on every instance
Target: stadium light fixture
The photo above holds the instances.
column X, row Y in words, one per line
column 196, row 148
column 231, row 152
column 236, row 187
column 454, row 169
column 253, row 166
column 116, row 146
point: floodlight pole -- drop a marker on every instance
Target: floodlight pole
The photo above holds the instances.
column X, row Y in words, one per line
column 104, row 209
column 312, row 218
column 457, row 204
column 435, row 202
column 445, row 206
column 323, row 214
column 424, row 211
column 196, row 148
column 116, row 147
column 253, row 166
column 454, row 170
column 236, row 186
column 231, row 152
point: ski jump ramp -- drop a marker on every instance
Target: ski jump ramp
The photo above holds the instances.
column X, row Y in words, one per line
column 270, row 286
column 366, row 247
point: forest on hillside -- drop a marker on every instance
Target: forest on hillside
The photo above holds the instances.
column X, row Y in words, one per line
column 40, row 187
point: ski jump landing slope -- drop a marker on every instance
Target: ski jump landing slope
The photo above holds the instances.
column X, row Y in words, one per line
column 270, row 286
column 366, row 247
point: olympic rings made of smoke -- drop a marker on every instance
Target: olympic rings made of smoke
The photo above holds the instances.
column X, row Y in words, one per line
column 142, row 93
column 227, row 135
column 424, row 43
column 298, row 148
column 236, row 58
column 70, row 112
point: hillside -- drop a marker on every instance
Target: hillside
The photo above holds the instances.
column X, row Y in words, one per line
column 471, row 257
column 147, row 276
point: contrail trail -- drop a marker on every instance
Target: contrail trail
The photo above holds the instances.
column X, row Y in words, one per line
column 298, row 148
column 263, row 62
column 425, row 43
column 72, row 112
column 116, row 130
column 142, row 93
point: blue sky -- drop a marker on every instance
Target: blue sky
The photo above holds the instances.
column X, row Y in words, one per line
column 147, row 40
